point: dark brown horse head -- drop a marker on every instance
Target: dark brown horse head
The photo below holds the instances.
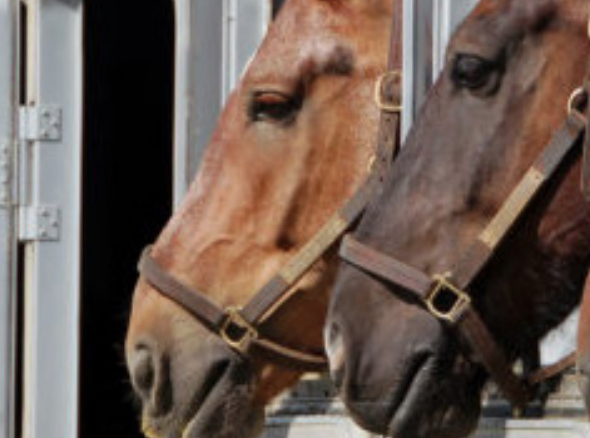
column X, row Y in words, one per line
column 293, row 143
column 510, row 69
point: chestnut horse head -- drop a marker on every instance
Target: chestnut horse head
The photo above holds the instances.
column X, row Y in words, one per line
column 293, row 143
column 510, row 69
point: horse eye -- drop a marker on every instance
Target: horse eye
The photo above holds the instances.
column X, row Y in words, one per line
column 471, row 71
column 273, row 106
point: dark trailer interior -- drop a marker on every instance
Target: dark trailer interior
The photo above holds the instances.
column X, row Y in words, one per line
column 127, row 189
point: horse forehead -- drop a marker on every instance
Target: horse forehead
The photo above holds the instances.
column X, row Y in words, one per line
column 516, row 15
column 346, row 3
column 306, row 58
column 494, row 23
column 326, row 13
column 487, row 7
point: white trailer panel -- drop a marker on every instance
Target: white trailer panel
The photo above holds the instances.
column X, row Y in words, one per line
column 214, row 41
column 428, row 25
column 8, row 243
column 50, row 217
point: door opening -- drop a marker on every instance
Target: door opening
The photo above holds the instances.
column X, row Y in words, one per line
column 127, row 194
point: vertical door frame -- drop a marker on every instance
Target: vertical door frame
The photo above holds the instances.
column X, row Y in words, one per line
column 50, row 180
column 427, row 23
column 9, row 87
column 198, row 84
column 215, row 39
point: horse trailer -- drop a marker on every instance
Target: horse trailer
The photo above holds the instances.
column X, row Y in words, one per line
column 104, row 109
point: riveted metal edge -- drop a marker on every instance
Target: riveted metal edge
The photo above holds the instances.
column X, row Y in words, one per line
column 5, row 174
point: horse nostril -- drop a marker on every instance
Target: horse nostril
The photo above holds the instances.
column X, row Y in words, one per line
column 143, row 372
column 151, row 379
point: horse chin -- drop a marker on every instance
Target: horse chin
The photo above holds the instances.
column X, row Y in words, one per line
column 222, row 409
column 423, row 421
column 226, row 419
column 425, row 402
column 436, row 408
column 227, row 412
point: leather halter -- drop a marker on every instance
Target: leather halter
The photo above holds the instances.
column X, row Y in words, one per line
column 447, row 296
column 241, row 328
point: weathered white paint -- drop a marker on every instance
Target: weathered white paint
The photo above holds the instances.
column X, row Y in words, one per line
column 52, row 269
column 8, row 291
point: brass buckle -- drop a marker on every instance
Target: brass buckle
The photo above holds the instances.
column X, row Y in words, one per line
column 387, row 106
column 442, row 291
column 236, row 331
column 575, row 101
column 371, row 163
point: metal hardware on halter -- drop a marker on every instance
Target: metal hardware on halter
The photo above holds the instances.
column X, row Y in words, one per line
column 576, row 101
column 389, row 107
column 236, row 331
column 444, row 288
column 371, row 163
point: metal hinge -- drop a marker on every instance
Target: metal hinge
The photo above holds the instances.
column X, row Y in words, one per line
column 40, row 123
column 5, row 174
column 39, row 223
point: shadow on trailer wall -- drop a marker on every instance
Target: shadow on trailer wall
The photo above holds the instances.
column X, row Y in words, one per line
column 127, row 189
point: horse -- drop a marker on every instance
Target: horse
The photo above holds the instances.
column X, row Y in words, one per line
column 419, row 267
column 293, row 143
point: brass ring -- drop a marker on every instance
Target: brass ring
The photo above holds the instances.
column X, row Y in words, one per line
column 387, row 106
column 371, row 163
column 457, row 309
column 234, row 317
column 574, row 100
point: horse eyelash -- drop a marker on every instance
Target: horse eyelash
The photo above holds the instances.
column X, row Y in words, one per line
column 291, row 107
